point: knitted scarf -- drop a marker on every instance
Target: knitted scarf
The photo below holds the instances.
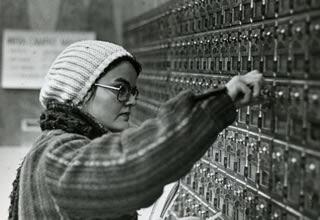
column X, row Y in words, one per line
column 72, row 120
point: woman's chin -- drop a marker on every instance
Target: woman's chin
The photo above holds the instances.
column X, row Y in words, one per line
column 119, row 126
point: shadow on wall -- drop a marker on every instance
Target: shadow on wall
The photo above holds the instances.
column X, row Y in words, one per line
column 10, row 158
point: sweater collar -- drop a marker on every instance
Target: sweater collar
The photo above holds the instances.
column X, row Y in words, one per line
column 71, row 119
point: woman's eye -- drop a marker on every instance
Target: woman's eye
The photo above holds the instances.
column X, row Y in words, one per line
column 118, row 86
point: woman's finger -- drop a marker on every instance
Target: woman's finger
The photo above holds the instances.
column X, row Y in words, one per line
column 246, row 94
column 256, row 89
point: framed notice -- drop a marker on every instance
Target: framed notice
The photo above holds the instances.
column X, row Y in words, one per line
column 27, row 55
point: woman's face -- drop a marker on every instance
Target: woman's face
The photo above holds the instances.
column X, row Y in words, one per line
column 104, row 105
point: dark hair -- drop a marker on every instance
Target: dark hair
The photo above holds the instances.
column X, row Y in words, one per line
column 112, row 65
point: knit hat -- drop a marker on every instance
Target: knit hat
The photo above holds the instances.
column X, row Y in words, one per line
column 76, row 69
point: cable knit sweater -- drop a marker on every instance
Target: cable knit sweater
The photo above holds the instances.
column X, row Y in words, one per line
column 69, row 176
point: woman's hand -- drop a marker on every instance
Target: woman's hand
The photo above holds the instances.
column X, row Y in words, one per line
column 245, row 88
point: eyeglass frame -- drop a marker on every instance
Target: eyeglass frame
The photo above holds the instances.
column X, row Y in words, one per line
column 118, row 89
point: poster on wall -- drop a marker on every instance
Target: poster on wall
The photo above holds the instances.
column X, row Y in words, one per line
column 27, row 55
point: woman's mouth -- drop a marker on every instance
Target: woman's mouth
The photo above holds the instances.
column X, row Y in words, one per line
column 125, row 116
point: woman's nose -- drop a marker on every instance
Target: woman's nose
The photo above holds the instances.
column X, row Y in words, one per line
column 132, row 101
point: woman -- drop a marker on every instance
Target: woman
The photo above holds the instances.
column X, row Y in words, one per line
column 88, row 162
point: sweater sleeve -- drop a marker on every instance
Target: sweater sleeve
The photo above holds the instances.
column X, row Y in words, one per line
column 119, row 173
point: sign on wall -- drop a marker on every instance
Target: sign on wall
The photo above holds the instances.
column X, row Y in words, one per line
column 27, row 55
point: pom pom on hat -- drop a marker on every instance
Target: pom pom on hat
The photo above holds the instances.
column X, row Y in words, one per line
column 76, row 68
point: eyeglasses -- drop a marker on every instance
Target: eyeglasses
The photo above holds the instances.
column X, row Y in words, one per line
column 124, row 92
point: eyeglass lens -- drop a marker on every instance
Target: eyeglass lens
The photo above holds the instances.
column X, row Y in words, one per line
column 125, row 91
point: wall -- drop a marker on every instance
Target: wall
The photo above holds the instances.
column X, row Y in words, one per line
column 51, row 15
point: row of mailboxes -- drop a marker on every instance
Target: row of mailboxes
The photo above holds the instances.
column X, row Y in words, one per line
column 286, row 49
column 207, row 186
column 193, row 17
column 265, row 148
column 266, row 165
column 286, row 110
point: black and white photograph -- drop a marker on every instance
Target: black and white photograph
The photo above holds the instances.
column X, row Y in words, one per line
column 160, row 109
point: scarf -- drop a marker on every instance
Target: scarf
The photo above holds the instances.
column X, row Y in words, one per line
column 72, row 120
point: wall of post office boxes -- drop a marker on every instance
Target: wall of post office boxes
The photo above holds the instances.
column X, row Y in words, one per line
column 267, row 164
